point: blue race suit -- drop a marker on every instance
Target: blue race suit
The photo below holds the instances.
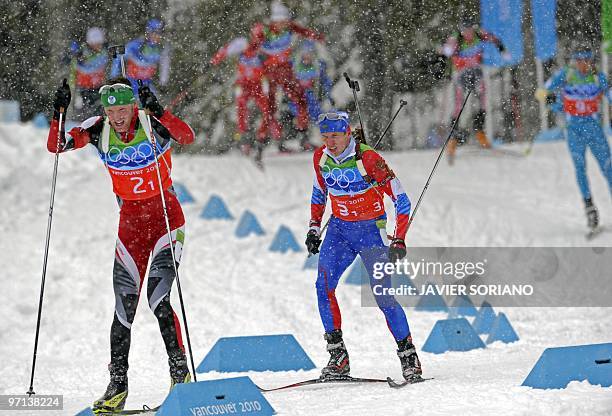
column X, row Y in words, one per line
column 581, row 95
column 143, row 59
column 317, row 86
column 357, row 226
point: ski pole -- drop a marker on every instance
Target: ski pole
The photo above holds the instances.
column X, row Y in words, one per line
column 176, row 275
column 354, row 86
column 402, row 104
column 118, row 50
column 450, row 133
column 48, row 238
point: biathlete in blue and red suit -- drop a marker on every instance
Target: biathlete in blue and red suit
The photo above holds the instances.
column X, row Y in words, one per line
column 356, row 178
column 145, row 56
column 582, row 88
column 122, row 138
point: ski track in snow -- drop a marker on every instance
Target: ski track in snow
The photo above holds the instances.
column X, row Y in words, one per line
column 236, row 287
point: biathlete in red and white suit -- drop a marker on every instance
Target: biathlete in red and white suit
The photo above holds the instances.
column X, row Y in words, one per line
column 356, row 178
column 249, row 82
column 274, row 42
column 122, row 139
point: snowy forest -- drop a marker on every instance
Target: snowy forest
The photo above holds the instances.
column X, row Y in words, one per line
column 390, row 46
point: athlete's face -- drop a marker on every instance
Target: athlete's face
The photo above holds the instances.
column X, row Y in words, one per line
column 154, row 37
column 583, row 65
column 120, row 116
column 468, row 33
column 336, row 143
column 279, row 26
column 96, row 46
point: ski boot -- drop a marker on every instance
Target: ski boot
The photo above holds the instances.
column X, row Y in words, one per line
column 411, row 366
column 591, row 213
column 483, row 140
column 113, row 400
column 338, row 364
column 179, row 372
column 451, row 150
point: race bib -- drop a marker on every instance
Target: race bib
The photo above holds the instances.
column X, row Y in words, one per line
column 366, row 206
column 142, row 183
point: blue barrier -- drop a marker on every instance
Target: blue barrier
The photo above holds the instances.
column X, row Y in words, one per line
column 10, row 112
column 86, row 412
column 216, row 397
column 247, row 225
column 557, row 367
column 182, row 194
column 40, row 121
column 312, row 262
column 502, row 330
column 462, row 306
column 284, row 241
column 452, row 335
column 216, row 209
column 256, row 353
column 484, row 320
column 431, row 302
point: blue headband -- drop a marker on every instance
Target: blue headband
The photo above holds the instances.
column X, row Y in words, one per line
column 334, row 126
column 582, row 55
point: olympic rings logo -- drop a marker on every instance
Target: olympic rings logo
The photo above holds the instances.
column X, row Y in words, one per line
column 131, row 154
column 339, row 177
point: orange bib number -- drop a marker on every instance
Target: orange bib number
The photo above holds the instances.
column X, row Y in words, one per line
column 357, row 208
column 142, row 183
column 581, row 107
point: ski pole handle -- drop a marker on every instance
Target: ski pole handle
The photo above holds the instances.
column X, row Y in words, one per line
column 118, row 50
column 348, row 80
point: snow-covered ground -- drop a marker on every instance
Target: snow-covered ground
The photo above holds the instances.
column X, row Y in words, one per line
column 237, row 287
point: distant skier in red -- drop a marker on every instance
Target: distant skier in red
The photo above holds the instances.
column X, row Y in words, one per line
column 249, row 82
column 274, row 42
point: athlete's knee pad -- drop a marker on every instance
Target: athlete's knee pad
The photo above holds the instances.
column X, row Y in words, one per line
column 479, row 120
column 161, row 276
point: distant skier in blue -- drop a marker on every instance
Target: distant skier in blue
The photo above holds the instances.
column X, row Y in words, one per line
column 582, row 88
column 145, row 57
column 311, row 73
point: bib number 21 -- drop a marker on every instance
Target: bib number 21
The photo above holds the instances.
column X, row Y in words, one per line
column 140, row 187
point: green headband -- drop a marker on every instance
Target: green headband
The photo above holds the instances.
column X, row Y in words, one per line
column 116, row 94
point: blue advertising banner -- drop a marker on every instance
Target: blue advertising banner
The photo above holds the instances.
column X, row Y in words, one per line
column 544, row 21
column 503, row 18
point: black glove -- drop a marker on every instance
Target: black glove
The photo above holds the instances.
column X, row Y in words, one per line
column 148, row 100
column 397, row 250
column 313, row 241
column 62, row 99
